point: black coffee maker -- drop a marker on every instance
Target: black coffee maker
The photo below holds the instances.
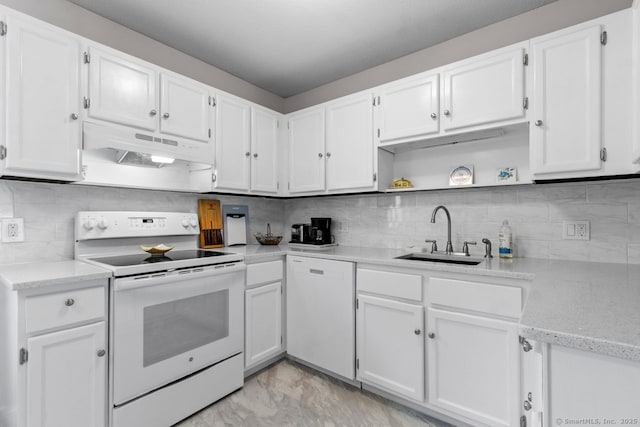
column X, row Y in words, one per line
column 320, row 231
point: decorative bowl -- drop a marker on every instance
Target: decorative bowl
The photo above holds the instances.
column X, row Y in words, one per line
column 156, row 250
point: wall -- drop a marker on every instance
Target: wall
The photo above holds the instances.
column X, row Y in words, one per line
column 535, row 212
column 81, row 21
column 551, row 17
column 49, row 210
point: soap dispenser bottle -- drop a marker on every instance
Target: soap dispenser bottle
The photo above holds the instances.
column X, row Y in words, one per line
column 505, row 248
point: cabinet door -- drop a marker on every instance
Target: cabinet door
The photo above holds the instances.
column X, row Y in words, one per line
column 566, row 121
column 391, row 345
column 306, row 151
column 43, row 102
column 409, row 110
column 263, row 334
column 122, row 90
column 232, row 143
column 185, row 108
column 264, row 148
column 484, row 90
column 349, row 143
column 66, row 378
column 474, row 367
column 321, row 313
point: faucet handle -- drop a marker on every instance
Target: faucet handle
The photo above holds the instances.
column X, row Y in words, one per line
column 434, row 245
column 465, row 247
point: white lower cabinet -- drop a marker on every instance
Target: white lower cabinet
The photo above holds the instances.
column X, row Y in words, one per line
column 473, row 366
column 391, row 345
column 263, row 338
column 320, row 313
column 66, row 378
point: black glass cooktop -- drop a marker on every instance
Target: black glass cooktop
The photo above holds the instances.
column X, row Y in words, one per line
column 145, row 258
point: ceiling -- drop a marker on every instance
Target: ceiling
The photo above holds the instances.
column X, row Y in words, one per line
column 291, row 46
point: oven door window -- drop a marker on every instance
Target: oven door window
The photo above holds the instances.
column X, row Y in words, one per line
column 176, row 327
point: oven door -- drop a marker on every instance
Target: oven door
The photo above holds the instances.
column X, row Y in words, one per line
column 169, row 325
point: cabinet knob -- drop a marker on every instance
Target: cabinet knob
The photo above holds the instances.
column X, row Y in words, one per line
column 247, row 154
column 69, row 302
column 328, row 154
column 527, row 405
column 538, row 123
column 417, row 331
column 255, row 155
column 101, row 353
column 431, row 335
column 319, row 155
column 434, row 116
column 74, row 116
column 447, row 112
column 153, row 113
column 166, row 115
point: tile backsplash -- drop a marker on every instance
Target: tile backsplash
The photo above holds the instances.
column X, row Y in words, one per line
column 535, row 213
column 398, row 220
column 49, row 211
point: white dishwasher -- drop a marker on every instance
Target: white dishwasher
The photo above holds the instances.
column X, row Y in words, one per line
column 321, row 313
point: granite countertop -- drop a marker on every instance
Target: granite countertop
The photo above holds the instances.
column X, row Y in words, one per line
column 45, row 274
column 584, row 305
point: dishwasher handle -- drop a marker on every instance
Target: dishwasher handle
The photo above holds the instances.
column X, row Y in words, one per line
column 316, row 271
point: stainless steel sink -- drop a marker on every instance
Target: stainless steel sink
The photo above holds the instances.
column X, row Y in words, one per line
column 447, row 259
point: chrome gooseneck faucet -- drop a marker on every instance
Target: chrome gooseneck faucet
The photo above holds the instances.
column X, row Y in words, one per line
column 449, row 249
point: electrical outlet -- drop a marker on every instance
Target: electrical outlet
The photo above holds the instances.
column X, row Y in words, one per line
column 576, row 230
column 341, row 226
column 12, row 230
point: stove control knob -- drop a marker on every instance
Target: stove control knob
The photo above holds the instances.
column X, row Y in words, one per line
column 193, row 222
column 90, row 224
column 185, row 223
column 103, row 224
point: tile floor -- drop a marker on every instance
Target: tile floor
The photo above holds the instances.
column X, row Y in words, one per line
column 288, row 394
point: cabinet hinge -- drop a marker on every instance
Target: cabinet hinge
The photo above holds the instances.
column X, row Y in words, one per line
column 603, row 154
column 526, row 345
column 213, row 177
column 525, row 59
column 525, row 103
column 209, row 132
column 87, row 58
column 358, row 364
column 375, row 177
column 3, row 28
column 24, row 356
column 603, row 38
column 3, row 152
column 87, row 103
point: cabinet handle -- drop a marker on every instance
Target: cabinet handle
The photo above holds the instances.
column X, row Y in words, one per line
column 153, row 113
column 101, row 353
column 247, row 154
column 74, row 116
column 166, row 115
column 417, row 331
column 315, row 271
column 431, row 335
column 447, row 112
column 255, row 155
column 69, row 302
column 434, row 116
column 538, row 123
column 319, row 155
column 328, row 154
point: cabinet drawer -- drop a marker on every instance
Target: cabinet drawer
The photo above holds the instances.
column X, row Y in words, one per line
column 64, row 308
column 264, row 272
column 493, row 299
column 400, row 285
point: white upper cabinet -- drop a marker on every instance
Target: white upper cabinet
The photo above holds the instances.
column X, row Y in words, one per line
column 122, row 90
column 408, row 110
column 485, row 89
column 264, row 150
column 185, row 108
column 349, row 144
column 636, row 81
column 566, row 100
column 232, row 141
column 306, row 150
column 42, row 101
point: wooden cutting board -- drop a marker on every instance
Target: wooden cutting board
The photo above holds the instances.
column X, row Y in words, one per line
column 210, row 215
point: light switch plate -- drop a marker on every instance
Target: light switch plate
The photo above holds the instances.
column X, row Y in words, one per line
column 576, row 230
column 12, row 230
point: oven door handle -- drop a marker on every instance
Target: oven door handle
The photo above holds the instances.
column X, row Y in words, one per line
column 154, row 279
